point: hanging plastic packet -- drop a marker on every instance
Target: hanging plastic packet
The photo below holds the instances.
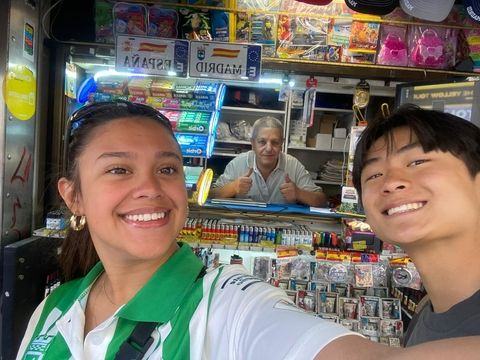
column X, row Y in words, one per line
column 361, row 96
column 162, row 22
column 130, row 19
column 195, row 24
column 406, row 276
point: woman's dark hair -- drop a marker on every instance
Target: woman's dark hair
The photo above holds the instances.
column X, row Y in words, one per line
column 78, row 254
column 435, row 130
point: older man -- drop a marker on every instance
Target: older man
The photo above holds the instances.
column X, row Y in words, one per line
column 266, row 173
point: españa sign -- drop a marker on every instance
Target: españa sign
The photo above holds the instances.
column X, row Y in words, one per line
column 220, row 60
column 152, row 56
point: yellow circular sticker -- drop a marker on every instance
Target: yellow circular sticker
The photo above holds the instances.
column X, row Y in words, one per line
column 20, row 91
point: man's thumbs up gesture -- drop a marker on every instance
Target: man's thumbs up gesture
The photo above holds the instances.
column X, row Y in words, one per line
column 289, row 190
column 244, row 183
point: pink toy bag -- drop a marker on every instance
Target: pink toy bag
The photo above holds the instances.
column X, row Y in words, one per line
column 393, row 50
column 428, row 50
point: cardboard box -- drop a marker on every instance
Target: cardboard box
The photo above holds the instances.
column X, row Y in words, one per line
column 327, row 123
column 340, row 133
column 323, row 141
column 340, row 144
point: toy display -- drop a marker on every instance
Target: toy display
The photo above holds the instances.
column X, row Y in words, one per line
column 427, row 48
column 263, row 28
column 302, row 37
column 362, row 44
column 104, row 22
column 393, row 46
column 162, row 22
column 195, row 24
column 130, row 19
column 242, row 27
column 292, row 29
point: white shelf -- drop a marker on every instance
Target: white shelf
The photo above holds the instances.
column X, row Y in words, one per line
column 218, row 153
column 50, row 233
column 251, row 110
column 304, row 148
column 347, row 111
column 242, row 142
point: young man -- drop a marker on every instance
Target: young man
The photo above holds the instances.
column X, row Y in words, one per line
column 266, row 173
column 418, row 176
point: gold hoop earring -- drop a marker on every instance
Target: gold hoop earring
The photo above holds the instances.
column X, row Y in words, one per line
column 77, row 222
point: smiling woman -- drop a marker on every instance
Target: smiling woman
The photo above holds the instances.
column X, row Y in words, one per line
column 135, row 293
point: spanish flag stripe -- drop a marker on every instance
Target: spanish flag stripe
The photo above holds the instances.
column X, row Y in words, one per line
column 225, row 52
column 152, row 47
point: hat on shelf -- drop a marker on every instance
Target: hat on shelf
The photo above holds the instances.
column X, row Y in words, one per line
column 431, row 10
column 378, row 7
column 316, row 2
column 472, row 9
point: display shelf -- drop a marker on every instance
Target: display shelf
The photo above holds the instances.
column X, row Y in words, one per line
column 368, row 71
column 50, row 233
column 240, row 142
column 225, row 154
column 238, row 246
column 304, row 148
column 252, row 110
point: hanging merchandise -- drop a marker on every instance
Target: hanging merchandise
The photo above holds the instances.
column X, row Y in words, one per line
column 362, row 45
column 431, row 10
column 130, row 19
column 104, row 22
column 378, row 7
column 361, row 95
column 472, row 9
column 309, row 106
column 264, row 31
column 162, row 22
column 385, row 110
column 242, row 27
column 195, row 24
column 393, row 47
column 432, row 47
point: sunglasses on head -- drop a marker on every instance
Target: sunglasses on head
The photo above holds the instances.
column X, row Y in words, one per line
column 101, row 110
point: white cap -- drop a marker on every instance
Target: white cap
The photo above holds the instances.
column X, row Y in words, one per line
column 431, row 10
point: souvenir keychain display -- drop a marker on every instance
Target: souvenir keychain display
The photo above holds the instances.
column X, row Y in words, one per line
column 354, row 294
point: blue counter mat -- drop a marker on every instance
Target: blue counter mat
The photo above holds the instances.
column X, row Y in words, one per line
column 275, row 209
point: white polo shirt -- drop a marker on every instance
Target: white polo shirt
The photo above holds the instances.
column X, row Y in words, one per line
column 267, row 191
